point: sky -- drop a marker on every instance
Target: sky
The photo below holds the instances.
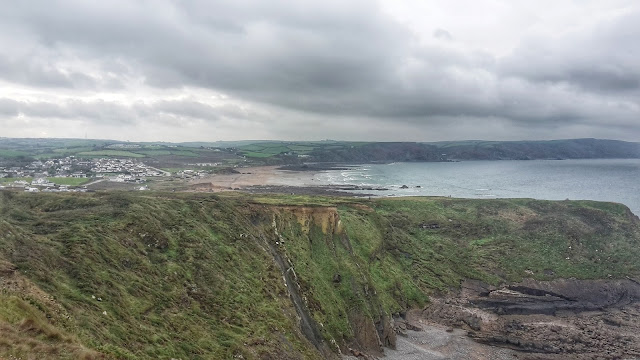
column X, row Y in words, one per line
column 388, row 70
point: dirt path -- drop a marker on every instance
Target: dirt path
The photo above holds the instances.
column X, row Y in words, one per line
column 94, row 182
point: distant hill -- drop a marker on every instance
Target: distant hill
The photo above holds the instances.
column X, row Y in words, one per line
column 273, row 152
column 480, row 150
column 553, row 149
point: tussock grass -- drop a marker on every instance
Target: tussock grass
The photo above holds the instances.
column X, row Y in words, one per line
column 159, row 275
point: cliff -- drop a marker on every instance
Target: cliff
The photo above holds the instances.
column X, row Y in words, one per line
column 191, row 276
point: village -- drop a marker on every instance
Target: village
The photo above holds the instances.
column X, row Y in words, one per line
column 71, row 174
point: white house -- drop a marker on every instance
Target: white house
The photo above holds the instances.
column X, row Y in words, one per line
column 41, row 182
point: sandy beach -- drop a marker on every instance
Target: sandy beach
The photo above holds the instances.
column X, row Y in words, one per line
column 255, row 176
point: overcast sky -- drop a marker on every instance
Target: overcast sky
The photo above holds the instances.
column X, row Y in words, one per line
column 420, row 70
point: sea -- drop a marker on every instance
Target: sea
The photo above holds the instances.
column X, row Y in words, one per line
column 613, row 180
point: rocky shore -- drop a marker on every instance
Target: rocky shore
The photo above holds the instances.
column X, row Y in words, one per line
column 533, row 320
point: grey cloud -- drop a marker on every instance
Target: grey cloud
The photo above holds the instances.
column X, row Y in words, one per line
column 442, row 34
column 117, row 113
column 9, row 107
column 331, row 59
column 34, row 72
column 603, row 59
column 197, row 110
column 280, row 46
column 98, row 111
column 41, row 69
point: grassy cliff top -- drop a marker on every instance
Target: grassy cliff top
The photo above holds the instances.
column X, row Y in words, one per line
column 155, row 275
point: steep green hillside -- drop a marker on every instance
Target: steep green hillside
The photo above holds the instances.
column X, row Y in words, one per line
column 147, row 276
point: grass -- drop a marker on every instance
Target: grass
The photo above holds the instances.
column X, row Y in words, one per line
column 185, row 153
column 270, row 149
column 167, row 152
column 26, row 334
column 185, row 275
column 68, row 181
column 301, row 148
column 12, row 153
column 167, row 271
column 321, row 249
column 46, row 155
column 158, row 152
column 114, row 153
column 254, row 154
column 72, row 150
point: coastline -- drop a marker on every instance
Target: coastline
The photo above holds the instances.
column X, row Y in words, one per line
column 259, row 176
column 544, row 180
column 276, row 180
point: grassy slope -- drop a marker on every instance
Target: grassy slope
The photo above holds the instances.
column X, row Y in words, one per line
column 174, row 277
column 189, row 276
column 388, row 263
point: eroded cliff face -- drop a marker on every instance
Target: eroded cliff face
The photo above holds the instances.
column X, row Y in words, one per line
column 321, row 251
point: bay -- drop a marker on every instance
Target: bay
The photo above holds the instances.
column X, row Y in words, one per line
column 613, row 180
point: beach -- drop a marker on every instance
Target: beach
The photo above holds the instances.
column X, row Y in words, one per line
column 275, row 180
column 259, row 176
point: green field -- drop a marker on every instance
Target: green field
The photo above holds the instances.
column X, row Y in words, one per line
column 257, row 154
column 68, row 181
column 12, row 153
column 48, row 155
column 184, row 153
column 166, row 152
column 300, row 148
column 73, row 150
column 158, row 152
column 109, row 153
column 271, row 149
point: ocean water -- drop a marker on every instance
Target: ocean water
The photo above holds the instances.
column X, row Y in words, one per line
column 600, row 179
